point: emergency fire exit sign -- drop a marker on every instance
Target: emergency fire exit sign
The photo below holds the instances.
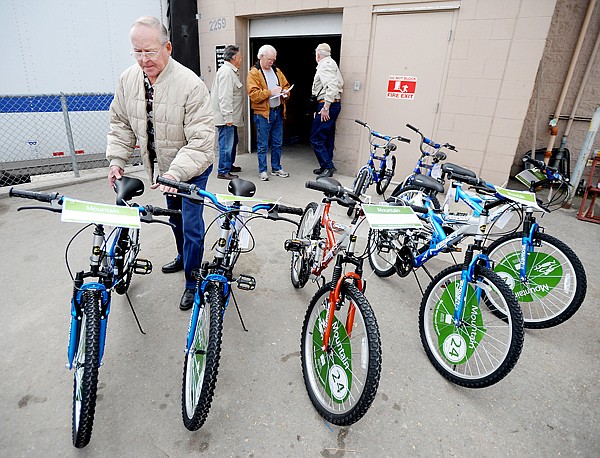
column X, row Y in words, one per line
column 401, row 87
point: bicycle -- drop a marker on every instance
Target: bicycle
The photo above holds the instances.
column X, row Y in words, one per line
column 113, row 261
column 470, row 324
column 427, row 169
column 519, row 257
column 368, row 173
column 214, row 290
column 340, row 345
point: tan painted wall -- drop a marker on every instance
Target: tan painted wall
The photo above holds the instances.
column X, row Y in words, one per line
column 496, row 51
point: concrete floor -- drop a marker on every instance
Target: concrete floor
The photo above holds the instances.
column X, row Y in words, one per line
column 547, row 406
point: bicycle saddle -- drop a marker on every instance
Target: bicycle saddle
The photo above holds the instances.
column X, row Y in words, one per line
column 448, row 167
column 330, row 181
column 128, row 188
column 241, row 187
column 423, row 181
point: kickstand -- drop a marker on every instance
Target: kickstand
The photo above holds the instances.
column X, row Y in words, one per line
column 238, row 311
column 134, row 314
column 418, row 282
column 453, row 258
column 322, row 278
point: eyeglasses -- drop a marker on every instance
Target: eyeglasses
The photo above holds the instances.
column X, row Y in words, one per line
column 151, row 55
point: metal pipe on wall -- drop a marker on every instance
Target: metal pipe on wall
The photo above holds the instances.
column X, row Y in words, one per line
column 567, row 83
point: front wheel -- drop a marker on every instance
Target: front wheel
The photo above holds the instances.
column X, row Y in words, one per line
column 555, row 283
column 86, row 363
column 387, row 173
column 361, row 183
column 341, row 380
column 308, row 229
column 478, row 348
column 201, row 362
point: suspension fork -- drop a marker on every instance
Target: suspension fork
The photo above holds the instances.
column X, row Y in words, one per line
column 530, row 227
column 334, row 299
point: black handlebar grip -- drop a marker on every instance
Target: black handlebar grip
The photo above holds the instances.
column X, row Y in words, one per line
column 539, row 164
column 337, row 191
column 412, row 127
column 158, row 211
column 290, row 210
column 405, row 140
column 177, row 184
column 41, row 196
column 362, row 123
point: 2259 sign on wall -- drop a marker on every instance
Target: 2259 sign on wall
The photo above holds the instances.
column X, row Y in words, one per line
column 217, row 24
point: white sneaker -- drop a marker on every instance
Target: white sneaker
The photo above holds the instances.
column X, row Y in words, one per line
column 281, row 173
column 263, row 176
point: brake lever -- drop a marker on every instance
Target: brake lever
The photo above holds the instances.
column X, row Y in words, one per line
column 37, row 207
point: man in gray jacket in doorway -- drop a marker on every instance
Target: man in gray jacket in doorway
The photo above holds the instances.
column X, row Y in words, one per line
column 226, row 96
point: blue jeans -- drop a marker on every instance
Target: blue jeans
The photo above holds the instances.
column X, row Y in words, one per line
column 322, row 135
column 269, row 133
column 189, row 229
column 228, row 141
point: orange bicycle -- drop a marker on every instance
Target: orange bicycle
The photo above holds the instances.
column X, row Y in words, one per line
column 340, row 344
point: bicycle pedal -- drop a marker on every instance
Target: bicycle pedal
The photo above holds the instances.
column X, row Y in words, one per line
column 142, row 267
column 246, row 282
column 295, row 245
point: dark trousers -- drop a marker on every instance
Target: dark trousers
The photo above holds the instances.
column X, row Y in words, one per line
column 189, row 229
column 322, row 135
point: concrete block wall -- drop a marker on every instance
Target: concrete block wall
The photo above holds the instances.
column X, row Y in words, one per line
column 496, row 52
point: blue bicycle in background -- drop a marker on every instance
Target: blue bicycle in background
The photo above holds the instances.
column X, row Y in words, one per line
column 368, row 173
column 113, row 261
column 214, row 289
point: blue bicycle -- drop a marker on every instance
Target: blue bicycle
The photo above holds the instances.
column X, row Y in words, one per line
column 368, row 173
column 470, row 322
column 214, row 290
column 113, row 260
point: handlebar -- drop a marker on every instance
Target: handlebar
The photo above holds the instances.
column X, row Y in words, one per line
column 473, row 181
column 41, row 196
column 390, row 146
column 336, row 191
column 430, row 142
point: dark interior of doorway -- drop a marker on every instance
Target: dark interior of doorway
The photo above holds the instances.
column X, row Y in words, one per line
column 296, row 59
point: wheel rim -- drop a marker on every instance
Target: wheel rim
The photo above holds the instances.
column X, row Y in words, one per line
column 79, row 370
column 381, row 252
column 481, row 343
column 337, row 378
column 551, row 281
column 413, row 197
column 196, row 362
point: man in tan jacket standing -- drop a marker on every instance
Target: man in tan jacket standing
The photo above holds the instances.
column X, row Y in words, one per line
column 164, row 108
column 227, row 99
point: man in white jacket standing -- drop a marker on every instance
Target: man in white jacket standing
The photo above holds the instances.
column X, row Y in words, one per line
column 164, row 109
column 327, row 89
column 227, row 101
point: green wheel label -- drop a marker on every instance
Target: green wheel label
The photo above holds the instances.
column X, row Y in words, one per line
column 458, row 344
column 334, row 369
column 543, row 274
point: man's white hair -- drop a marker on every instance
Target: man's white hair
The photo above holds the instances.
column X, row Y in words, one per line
column 266, row 49
column 153, row 23
column 322, row 53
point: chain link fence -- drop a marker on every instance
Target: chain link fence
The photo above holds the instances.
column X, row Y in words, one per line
column 52, row 134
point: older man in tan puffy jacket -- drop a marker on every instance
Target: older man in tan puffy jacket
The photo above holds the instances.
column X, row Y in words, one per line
column 164, row 109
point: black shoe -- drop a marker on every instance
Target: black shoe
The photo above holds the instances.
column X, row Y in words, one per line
column 326, row 173
column 174, row 266
column 318, row 171
column 235, row 168
column 226, row 176
column 187, row 300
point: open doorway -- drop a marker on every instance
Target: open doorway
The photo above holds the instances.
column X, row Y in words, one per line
column 296, row 59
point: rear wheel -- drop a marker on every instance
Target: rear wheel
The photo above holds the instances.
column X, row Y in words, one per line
column 387, row 173
column 416, row 196
column 555, row 284
column 308, row 229
column 85, row 377
column 481, row 348
column 341, row 381
column 382, row 255
column 201, row 363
